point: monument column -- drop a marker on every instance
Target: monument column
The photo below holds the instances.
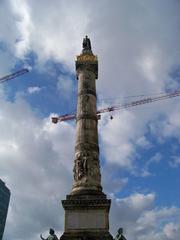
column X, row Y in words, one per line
column 86, row 207
column 87, row 175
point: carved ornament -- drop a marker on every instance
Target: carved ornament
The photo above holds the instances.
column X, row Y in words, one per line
column 87, row 57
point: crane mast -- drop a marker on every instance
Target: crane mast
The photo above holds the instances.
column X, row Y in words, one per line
column 14, row 75
column 127, row 105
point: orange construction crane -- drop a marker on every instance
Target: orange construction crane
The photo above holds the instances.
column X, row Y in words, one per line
column 14, row 75
column 127, row 105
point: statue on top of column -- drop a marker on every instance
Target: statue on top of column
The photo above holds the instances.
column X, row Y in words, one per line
column 86, row 45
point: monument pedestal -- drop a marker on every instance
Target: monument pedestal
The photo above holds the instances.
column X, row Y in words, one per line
column 86, row 217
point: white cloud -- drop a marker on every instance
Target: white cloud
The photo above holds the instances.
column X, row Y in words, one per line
column 52, row 31
column 137, row 201
column 168, row 126
column 175, row 162
column 24, row 26
column 32, row 90
column 149, row 65
column 123, row 136
column 156, row 158
column 143, row 142
column 6, row 65
column 153, row 160
column 38, row 160
column 137, row 46
column 36, row 167
column 115, row 135
column 65, row 86
column 140, row 220
column 172, row 124
column 172, row 231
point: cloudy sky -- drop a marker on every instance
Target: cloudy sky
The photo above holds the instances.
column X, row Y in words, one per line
column 138, row 47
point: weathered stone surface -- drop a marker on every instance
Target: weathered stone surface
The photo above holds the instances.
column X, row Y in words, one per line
column 86, row 219
column 86, row 207
column 86, row 216
column 86, row 164
column 87, row 235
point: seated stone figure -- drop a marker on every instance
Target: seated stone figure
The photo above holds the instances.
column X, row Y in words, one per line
column 52, row 235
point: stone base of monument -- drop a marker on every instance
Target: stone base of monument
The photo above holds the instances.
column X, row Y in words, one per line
column 87, row 236
column 86, row 217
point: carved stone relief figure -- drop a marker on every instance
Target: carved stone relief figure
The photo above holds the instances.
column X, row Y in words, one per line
column 87, row 169
column 95, row 168
column 81, row 166
column 78, row 168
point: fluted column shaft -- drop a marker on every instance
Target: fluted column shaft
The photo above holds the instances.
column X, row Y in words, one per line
column 86, row 165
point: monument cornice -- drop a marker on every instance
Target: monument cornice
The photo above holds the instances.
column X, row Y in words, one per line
column 87, row 204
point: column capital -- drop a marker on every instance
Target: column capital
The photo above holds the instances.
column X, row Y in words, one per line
column 87, row 62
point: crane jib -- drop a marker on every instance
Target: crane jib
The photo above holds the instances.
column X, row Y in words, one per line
column 125, row 105
column 14, row 75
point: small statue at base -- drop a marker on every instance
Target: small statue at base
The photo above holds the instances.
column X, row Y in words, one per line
column 52, row 235
column 119, row 235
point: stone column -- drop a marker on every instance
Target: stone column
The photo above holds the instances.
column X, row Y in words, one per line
column 86, row 207
column 87, row 175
